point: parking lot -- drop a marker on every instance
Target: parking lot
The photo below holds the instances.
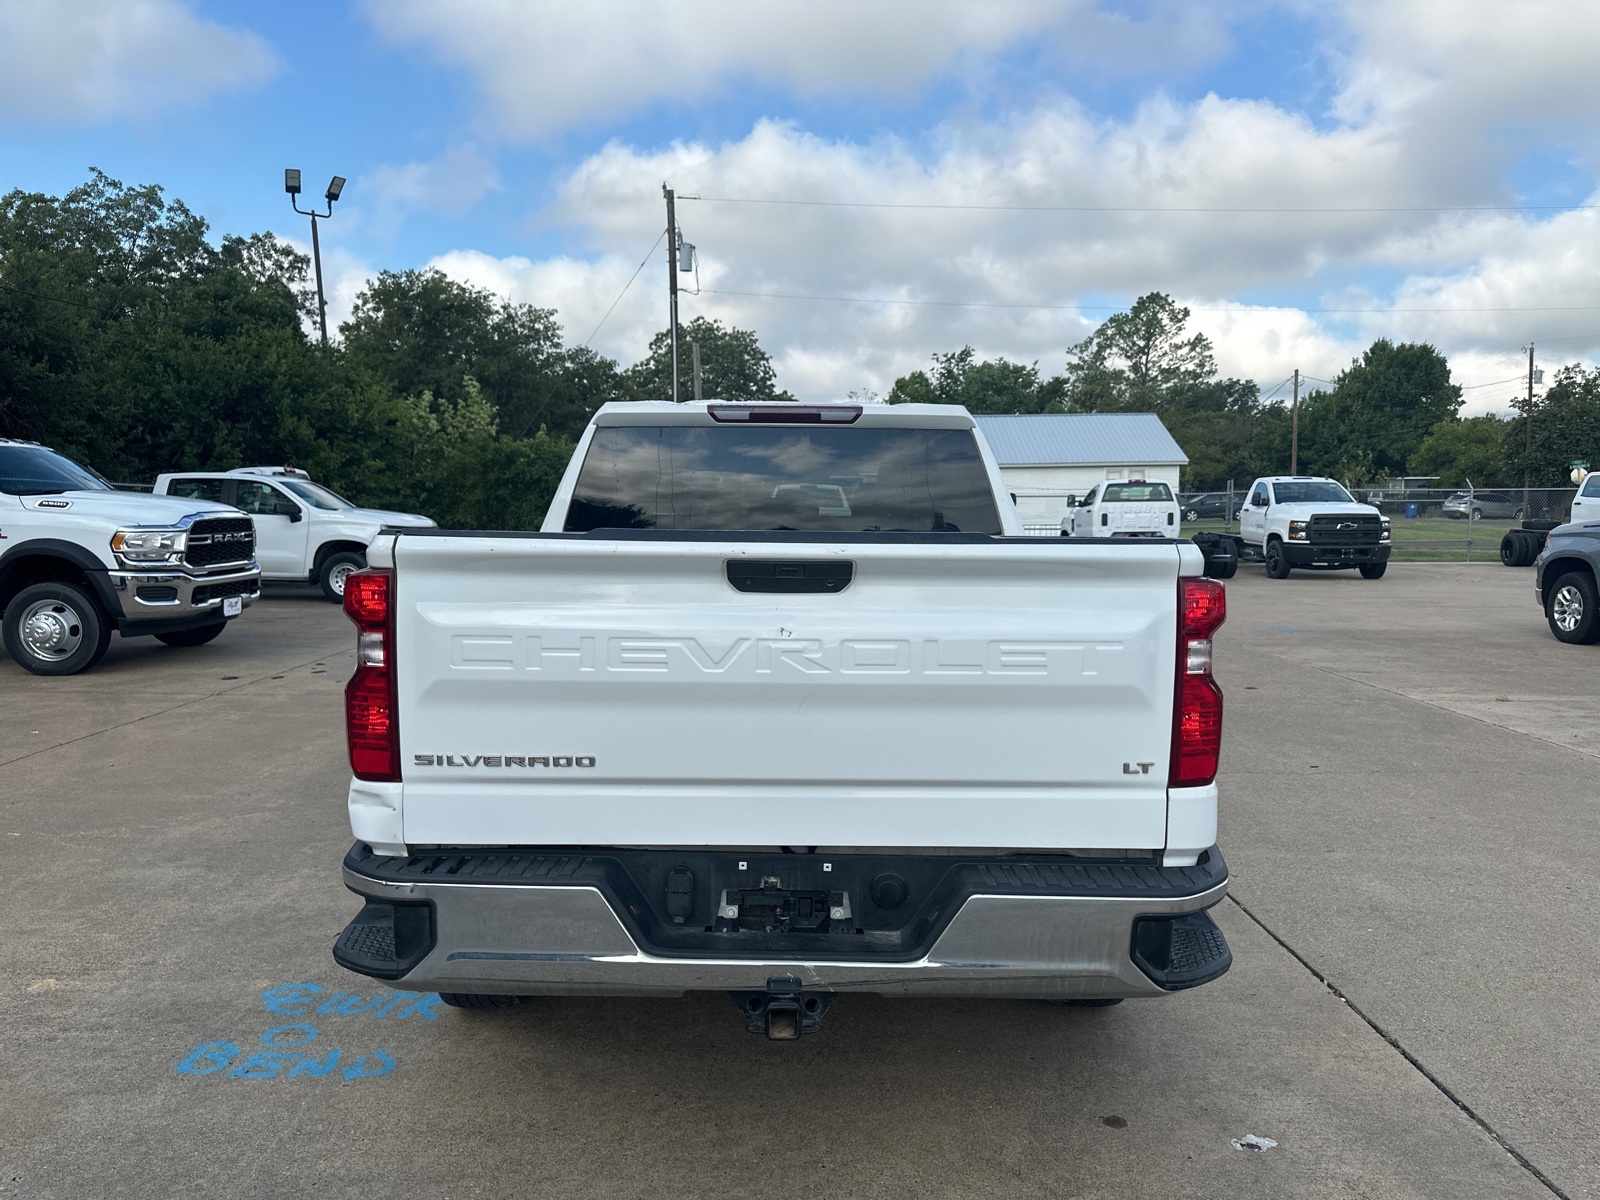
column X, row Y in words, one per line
column 1408, row 811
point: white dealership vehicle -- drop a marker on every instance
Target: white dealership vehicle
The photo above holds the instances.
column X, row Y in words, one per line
column 80, row 560
column 305, row 533
column 780, row 702
column 1132, row 509
column 1292, row 521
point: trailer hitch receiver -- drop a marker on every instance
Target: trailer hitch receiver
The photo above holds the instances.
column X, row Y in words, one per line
column 784, row 1011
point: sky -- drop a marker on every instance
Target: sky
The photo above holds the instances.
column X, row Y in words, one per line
column 870, row 183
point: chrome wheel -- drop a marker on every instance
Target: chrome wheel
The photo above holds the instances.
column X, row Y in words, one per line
column 1566, row 609
column 52, row 630
column 337, row 576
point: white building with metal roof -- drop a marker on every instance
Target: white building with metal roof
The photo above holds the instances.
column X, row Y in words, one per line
column 1047, row 457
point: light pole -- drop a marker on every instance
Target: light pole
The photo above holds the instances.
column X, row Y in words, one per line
column 291, row 184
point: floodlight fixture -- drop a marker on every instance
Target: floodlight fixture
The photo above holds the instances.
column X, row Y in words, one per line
column 291, row 184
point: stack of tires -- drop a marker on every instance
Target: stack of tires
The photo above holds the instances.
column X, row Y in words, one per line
column 1519, row 547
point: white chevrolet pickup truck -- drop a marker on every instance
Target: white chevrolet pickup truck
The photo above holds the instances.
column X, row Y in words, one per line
column 1134, row 509
column 779, row 702
column 1290, row 521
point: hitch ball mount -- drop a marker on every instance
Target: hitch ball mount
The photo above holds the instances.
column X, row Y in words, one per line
column 784, row 1011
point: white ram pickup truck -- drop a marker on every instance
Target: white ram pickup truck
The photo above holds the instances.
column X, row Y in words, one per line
column 80, row 560
column 1132, row 509
column 780, row 703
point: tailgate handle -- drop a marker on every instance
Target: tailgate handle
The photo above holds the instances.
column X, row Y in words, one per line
column 789, row 576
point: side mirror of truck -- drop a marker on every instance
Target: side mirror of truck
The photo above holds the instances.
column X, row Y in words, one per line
column 292, row 511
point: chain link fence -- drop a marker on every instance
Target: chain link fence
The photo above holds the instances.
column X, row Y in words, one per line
column 1424, row 523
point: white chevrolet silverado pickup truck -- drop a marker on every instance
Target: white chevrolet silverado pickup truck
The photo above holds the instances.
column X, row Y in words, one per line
column 779, row 702
column 1133, row 509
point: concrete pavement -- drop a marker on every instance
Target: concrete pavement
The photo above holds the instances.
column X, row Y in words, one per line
column 169, row 841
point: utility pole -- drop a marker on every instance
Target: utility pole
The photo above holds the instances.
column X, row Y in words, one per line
column 694, row 356
column 672, row 283
column 1294, row 427
column 1527, row 462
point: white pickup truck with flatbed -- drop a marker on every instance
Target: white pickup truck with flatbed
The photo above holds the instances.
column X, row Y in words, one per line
column 1306, row 521
column 780, row 702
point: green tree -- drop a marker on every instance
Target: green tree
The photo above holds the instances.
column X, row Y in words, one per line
column 421, row 331
column 993, row 386
column 131, row 342
column 1140, row 360
column 733, row 366
column 1378, row 413
column 1566, row 426
column 1464, row 450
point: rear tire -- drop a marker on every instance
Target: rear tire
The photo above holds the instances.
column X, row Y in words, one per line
column 1222, row 569
column 336, row 569
column 1511, row 549
column 1191, row 515
column 1572, row 607
column 55, row 629
column 467, row 1000
column 1277, row 560
column 192, row 637
column 1373, row 570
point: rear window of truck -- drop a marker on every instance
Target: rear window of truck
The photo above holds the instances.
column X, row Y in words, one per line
column 1136, row 493
column 815, row 480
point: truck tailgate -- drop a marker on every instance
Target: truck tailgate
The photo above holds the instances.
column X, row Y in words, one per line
column 1136, row 517
column 563, row 690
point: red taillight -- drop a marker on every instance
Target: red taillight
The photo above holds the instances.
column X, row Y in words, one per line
column 1197, row 700
column 370, row 719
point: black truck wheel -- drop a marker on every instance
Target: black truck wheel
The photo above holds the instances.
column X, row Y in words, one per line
column 468, row 1000
column 1373, row 570
column 55, row 629
column 1570, row 605
column 1511, row 548
column 1277, row 560
column 336, row 570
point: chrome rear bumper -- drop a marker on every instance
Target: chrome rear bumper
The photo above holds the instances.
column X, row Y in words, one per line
column 526, row 939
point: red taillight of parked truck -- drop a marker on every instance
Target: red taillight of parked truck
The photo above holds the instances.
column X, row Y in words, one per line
column 1197, row 707
column 371, row 725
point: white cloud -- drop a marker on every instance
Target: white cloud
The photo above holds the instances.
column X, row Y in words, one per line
column 451, row 184
column 65, row 61
column 561, row 63
column 1431, row 90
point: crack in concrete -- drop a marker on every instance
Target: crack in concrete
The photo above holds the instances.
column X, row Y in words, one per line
column 1443, row 1088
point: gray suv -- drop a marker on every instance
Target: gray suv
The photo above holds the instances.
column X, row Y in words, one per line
column 1564, row 581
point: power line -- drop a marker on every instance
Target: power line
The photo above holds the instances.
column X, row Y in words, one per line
column 1122, row 307
column 626, row 286
column 1121, row 208
column 1276, row 390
